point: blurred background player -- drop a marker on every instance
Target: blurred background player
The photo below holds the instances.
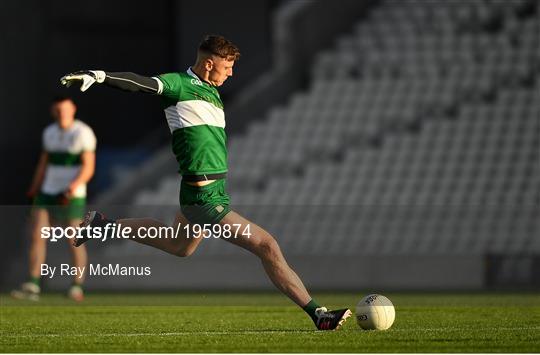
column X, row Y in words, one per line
column 58, row 191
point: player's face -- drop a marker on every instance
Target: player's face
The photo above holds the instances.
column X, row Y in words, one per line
column 64, row 112
column 221, row 70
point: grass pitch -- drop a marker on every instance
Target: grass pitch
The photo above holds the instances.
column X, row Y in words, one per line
column 214, row 322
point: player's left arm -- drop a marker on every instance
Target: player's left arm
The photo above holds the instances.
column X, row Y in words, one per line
column 126, row 81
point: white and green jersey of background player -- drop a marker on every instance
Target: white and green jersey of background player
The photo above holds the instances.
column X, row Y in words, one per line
column 195, row 116
column 64, row 149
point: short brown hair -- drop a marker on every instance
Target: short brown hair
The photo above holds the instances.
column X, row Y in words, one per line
column 219, row 46
column 61, row 98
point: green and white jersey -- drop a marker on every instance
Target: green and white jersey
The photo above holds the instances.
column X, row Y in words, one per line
column 195, row 116
column 64, row 148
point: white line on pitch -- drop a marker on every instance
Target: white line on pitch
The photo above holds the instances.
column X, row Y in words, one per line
column 242, row 332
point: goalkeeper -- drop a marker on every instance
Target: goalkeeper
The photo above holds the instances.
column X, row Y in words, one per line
column 195, row 116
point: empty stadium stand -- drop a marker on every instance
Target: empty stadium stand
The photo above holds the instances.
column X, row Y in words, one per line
column 419, row 134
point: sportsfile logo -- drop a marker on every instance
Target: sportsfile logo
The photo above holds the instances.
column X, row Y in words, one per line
column 117, row 231
column 109, row 231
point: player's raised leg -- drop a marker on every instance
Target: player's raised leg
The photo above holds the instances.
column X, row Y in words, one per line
column 262, row 244
column 37, row 255
column 181, row 244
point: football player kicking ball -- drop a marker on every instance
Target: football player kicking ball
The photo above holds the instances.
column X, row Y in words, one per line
column 194, row 113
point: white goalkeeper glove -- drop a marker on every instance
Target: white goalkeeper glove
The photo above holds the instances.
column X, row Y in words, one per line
column 88, row 77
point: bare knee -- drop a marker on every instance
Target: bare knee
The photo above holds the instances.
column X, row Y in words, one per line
column 39, row 220
column 37, row 246
column 184, row 252
column 269, row 249
column 187, row 248
column 37, row 241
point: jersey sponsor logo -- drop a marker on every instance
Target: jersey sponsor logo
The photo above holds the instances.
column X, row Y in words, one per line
column 196, row 82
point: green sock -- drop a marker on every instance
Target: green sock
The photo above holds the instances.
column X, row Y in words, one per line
column 310, row 309
column 34, row 280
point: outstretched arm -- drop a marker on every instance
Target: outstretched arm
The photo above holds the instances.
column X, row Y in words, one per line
column 122, row 80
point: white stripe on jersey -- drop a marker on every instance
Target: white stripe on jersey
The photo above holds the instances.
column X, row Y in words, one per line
column 79, row 137
column 194, row 113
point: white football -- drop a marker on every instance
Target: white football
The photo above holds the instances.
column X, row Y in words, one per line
column 375, row 312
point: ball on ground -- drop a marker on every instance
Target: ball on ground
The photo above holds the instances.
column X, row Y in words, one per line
column 375, row 312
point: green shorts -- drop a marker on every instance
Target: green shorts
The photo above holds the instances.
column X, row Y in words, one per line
column 60, row 208
column 204, row 204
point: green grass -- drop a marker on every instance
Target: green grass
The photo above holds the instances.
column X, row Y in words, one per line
column 197, row 322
